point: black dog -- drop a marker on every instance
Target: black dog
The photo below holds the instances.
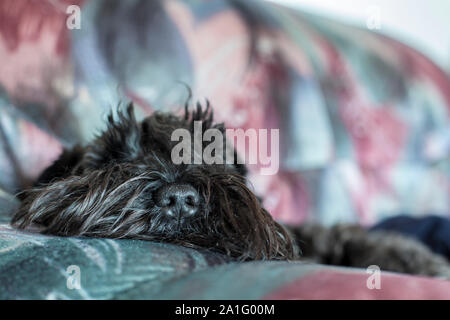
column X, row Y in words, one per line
column 125, row 185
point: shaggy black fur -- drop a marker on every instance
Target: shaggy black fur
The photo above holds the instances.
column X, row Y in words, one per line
column 355, row 246
column 110, row 188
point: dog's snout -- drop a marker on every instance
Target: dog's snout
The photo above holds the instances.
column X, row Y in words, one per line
column 178, row 200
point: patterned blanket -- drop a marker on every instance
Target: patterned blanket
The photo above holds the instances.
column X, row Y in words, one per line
column 363, row 119
column 44, row 267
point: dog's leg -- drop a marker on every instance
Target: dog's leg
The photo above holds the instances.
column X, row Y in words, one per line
column 354, row 246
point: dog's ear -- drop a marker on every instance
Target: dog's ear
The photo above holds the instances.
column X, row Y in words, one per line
column 63, row 167
column 119, row 143
column 237, row 165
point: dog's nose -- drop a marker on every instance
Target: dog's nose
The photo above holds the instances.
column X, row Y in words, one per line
column 178, row 200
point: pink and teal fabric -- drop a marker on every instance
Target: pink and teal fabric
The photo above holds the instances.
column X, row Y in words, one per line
column 363, row 120
column 38, row 267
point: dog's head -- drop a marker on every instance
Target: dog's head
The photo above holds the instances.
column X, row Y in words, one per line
column 126, row 184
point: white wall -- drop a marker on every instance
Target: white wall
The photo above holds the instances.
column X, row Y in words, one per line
column 423, row 24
